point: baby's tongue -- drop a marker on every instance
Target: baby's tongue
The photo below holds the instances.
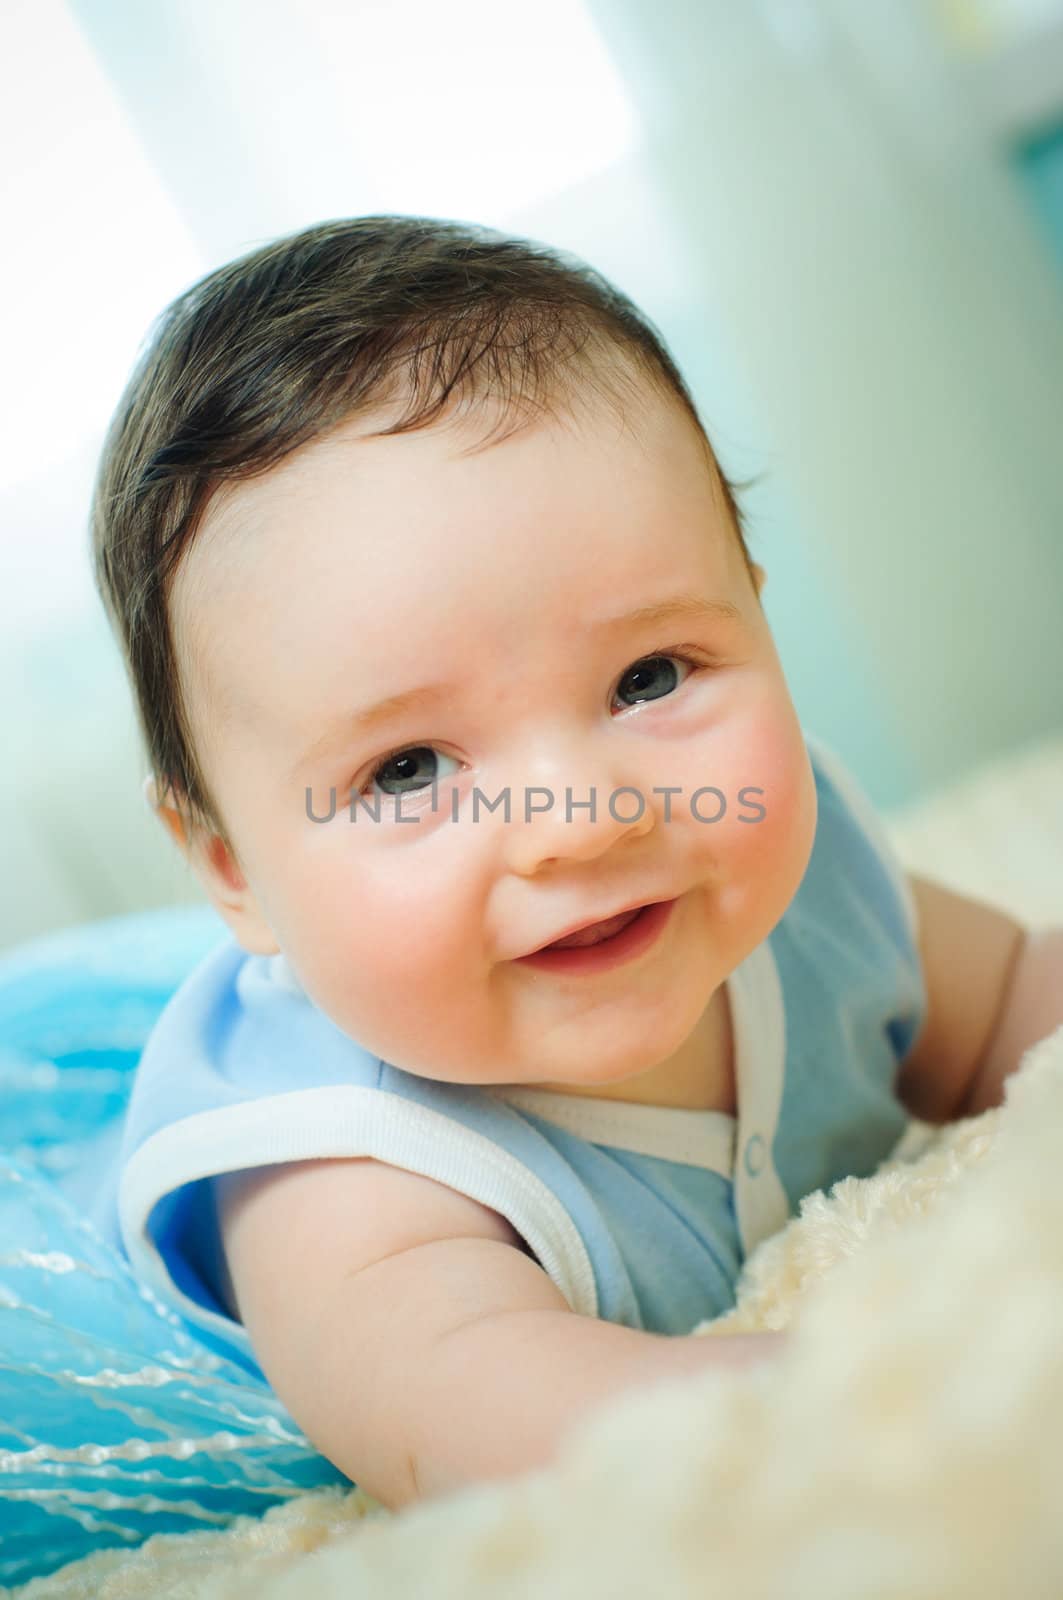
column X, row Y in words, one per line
column 596, row 933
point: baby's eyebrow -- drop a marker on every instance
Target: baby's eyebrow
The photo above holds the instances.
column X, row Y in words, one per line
column 363, row 721
column 694, row 606
column 690, row 606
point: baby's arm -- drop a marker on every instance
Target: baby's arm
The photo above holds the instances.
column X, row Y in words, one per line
column 994, row 988
column 412, row 1338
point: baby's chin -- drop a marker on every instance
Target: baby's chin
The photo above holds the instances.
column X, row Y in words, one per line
column 608, row 1070
column 539, row 1073
column 598, row 1048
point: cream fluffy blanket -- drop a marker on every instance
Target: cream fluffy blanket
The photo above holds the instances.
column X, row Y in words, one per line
column 909, row 1442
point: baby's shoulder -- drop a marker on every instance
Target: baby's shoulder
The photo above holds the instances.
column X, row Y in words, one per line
column 854, row 873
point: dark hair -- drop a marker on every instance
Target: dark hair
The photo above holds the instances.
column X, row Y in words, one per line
column 283, row 344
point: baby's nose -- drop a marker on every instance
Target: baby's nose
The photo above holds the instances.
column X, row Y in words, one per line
column 573, row 823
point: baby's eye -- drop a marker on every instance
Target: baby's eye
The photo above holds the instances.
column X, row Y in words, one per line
column 408, row 771
column 652, row 678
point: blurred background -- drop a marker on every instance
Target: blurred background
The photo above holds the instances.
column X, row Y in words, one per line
column 846, row 219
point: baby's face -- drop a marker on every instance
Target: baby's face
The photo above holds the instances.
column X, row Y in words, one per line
column 504, row 587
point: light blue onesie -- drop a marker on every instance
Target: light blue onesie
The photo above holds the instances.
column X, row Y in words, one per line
column 640, row 1215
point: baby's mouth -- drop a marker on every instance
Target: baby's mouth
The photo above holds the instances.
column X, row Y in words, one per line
column 597, row 933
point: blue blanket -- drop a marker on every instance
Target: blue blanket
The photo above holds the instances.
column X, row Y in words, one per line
column 116, row 1421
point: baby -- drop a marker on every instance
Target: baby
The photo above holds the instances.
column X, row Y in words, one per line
column 563, row 962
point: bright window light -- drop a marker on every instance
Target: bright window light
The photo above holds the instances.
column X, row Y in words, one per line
column 93, row 245
column 473, row 109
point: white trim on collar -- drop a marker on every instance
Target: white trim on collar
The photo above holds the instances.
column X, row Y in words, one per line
column 672, row 1133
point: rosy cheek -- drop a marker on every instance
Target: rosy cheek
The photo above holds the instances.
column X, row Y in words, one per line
column 788, row 829
column 406, row 918
column 767, row 784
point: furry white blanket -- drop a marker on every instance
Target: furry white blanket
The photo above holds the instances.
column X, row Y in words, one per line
column 908, row 1443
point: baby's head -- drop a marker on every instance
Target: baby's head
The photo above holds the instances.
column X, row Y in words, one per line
column 394, row 454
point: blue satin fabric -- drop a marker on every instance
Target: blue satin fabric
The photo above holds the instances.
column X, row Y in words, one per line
column 116, row 1420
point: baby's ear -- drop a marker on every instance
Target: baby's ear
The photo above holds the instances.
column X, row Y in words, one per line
column 216, row 867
